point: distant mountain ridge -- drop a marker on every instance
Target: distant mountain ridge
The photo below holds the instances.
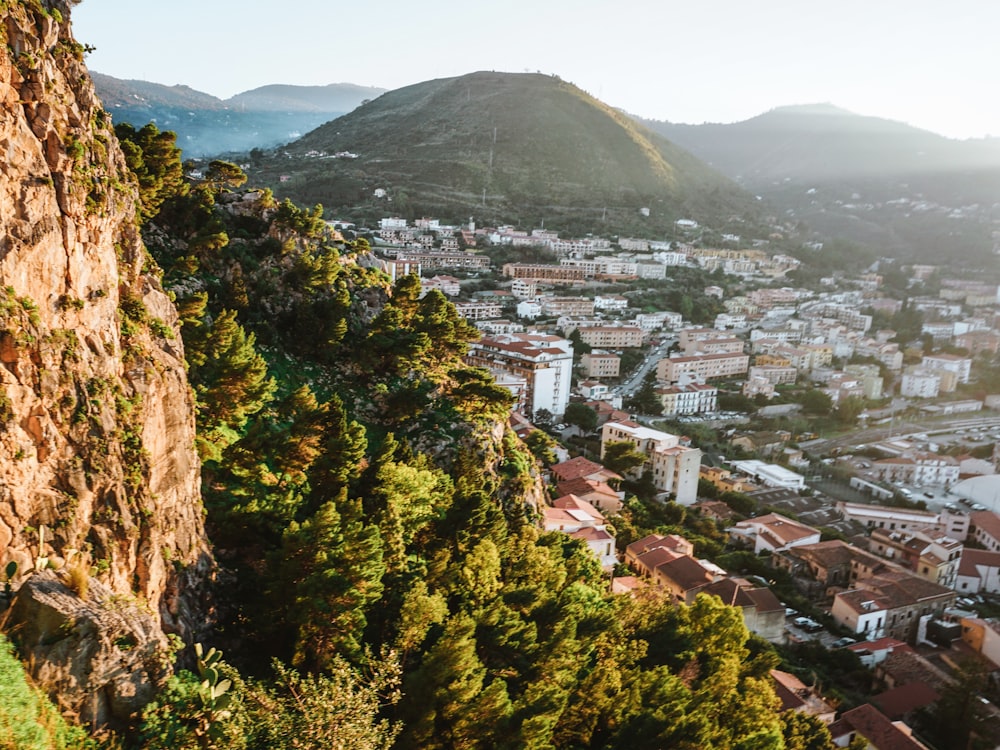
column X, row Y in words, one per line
column 896, row 188
column 823, row 142
column 508, row 145
column 206, row 125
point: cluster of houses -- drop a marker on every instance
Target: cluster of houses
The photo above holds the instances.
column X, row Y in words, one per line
column 900, row 584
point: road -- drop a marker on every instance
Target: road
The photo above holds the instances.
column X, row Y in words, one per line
column 631, row 385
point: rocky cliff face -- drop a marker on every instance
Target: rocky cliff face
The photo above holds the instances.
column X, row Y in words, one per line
column 96, row 416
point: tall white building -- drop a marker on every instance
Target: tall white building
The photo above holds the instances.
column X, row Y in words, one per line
column 674, row 467
column 544, row 362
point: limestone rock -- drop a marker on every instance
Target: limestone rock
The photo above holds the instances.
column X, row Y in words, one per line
column 97, row 422
column 101, row 657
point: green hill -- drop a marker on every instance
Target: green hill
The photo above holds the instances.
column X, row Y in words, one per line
column 504, row 146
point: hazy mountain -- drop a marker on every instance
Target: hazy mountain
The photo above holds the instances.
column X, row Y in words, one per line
column 890, row 185
column 823, row 142
column 206, row 125
column 334, row 97
column 505, row 145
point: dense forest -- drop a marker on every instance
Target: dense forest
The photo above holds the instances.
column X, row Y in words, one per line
column 382, row 580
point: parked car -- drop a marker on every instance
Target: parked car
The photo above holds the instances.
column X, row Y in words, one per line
column 841, row 642
column 807, row 624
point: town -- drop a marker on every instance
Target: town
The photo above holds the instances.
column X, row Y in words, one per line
column 840, row 434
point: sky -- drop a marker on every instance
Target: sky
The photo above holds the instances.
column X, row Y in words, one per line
column 924, row 62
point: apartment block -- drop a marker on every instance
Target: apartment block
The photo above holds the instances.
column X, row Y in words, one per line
column 599, row 363
column 674, row 467
column 544, row 362
column 702, row 367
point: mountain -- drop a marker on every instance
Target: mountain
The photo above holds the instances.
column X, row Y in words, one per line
column 207, row 126
column 877, row 181
column 334, row 97
column 504, row 146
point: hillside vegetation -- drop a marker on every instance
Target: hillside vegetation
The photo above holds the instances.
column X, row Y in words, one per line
column 503, row 145
column 386, row 580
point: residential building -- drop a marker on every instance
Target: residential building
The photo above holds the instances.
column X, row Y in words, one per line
column 716, row 346
column 702, row 367
column 871, row 724
column 982, row 636
column 688, row 338
column 724, row 479
column 919, row 468
column 447, row 285
column 827, row 563
column 610, row 303
column 774, row 374
column 796, row 696
column 676, row 544
column 889, row 603
column 545, row 362
column 772, row 532
column 621, row 336
column 985, row 529
column 763, row 614
column 599, row 363
column 547, row 273
column 580, row 467
column 658, row 321
column 529, row 309
column 442, row 259
column 499, row 326
column 693, row 398
column 871, row 380
column 578, row 519
column 889, row 518
column 920, row 382
column 961, row 366
column 978, row 571
column 674, row 467
column 932, row 555
column 479, row 310
column 572, row 306
column 979, row 342
column 596, row 492
column 594, row 390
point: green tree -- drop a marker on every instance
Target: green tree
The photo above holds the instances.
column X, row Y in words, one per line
column 580, row 415
column 805, row 732
column 329, row 572
column 155, row 160
column 542, row 446
column 816, row 402
column 222, row 175
column 230, row 382
column 645, row 399
column 621, row 457
column 848, row 409
column 339, row 709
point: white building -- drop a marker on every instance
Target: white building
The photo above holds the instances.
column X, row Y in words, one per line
column 890, row 518
column 961, row 366
column 545, row 362
column 771, row 474
column 674, row 467
column 773, row 533
column 529, row 309
column 920, row 382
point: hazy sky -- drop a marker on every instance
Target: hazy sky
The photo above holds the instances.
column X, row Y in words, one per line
column 929, row 63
